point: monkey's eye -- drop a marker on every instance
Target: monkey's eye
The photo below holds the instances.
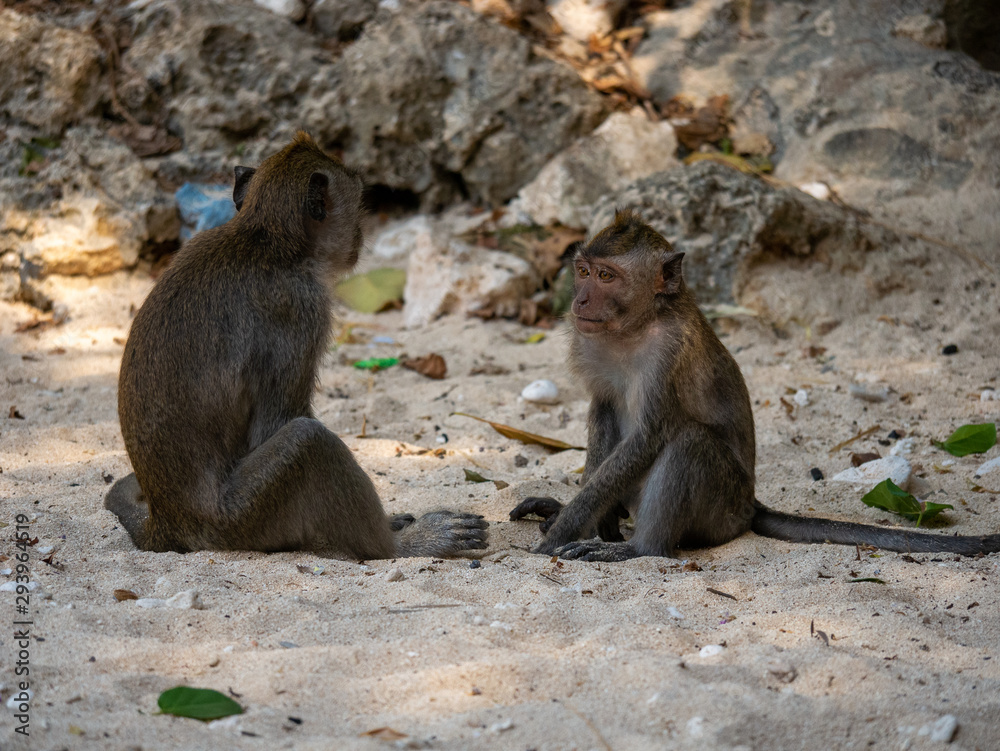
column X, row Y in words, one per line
column 583, row 271
column 605, row 276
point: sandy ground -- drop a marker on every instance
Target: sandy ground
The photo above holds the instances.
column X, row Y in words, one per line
column 521, row 652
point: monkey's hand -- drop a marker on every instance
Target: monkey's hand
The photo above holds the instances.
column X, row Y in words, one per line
column 442, row 533
column 597, row 550
column 543, row 506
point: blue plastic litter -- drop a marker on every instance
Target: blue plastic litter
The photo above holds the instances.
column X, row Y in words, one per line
column 203, row 206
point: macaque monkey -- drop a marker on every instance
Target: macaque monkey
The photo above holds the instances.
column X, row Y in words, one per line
column 671, row 433
column 218, row 374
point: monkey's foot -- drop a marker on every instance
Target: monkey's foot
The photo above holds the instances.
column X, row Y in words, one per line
column 443, row 533
column 597, row 550
column 398, row 521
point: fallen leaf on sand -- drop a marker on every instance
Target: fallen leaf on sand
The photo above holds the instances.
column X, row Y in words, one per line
column 432, row 366
column 516, row 434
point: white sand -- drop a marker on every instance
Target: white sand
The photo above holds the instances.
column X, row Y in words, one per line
column 521, row 653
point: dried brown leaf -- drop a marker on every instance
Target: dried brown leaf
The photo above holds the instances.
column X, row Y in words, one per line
column 125, row 594
column 516, row 434
column 432, row 366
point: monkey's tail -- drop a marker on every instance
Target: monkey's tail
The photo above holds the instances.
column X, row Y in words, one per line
column 125, row 501
column 780, row 526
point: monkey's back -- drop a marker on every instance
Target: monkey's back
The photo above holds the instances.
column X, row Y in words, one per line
column 222, row 353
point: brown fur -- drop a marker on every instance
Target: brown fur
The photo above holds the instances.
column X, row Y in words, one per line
column 217, row 377
column 671, row 433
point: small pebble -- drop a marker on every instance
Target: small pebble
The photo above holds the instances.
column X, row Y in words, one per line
column 903, row 448
column 943, row 730
column 711, row 650
column 541, row 392
column 895, row 435
column 993, row 465
column 819, row 191
column 894, row 468
column 396, row 575
column 12, row 586
column 44, row 549
column 801, row 397
column 520, row 461
column 288, row 644
column 951, row 349
column 868, row 394
column 17, row 698
column 499, row 727
column 189, row 599
column 817, row 473
column 989, row 395
column 474, row 564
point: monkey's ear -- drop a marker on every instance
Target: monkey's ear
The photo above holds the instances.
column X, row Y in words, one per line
column 669, row 282
column 316, row 199
column 243, row 175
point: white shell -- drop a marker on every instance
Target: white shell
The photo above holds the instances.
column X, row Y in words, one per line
column 894, row 468
column 543, row 392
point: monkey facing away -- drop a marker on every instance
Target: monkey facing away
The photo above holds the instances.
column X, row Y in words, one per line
column 671, row 433
column 217, row 377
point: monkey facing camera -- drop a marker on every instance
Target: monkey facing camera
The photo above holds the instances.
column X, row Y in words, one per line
column 670, row 430
column 217, row 378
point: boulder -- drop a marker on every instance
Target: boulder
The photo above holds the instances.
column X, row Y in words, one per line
column 447, row 275
column 439, row 100
column 88, row 209
column 623, row 149
column 731, row 225
column 865, row 99
column 51, row 75
column 223, row 72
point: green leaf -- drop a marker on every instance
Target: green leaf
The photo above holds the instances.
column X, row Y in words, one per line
column 535, row 338
column 872, row 579
column 890, row 497
column 376, row 363
column 198, row 703
column 374, row 291
column 473, row 476
column 970, row 439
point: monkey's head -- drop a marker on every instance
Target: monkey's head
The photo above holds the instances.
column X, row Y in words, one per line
column 306, row 197
column 624, row 277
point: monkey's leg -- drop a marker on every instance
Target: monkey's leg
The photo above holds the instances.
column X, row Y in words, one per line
column 398, row 521
column 303, row 490
column 695, row 494
column 543, row 506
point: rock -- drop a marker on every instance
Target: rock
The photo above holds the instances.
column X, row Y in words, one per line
column 903, row 448
column 51, row 75
column 502, row 726
column 222, row 73
column 451, row 276
column 868, row 394
column 869, row 474
column 993, row 465
column 801, row 398
column 942, row 730
column 12, row 586
column 582, row 19
column 150, row 602
column 819, row 191
column 435, row 96
column 728, row 223
column 711, row 650
column 188, row 599
column 543, row 391
column 89, row 209
column 903, row 140
column 395, row 575
column 989, row 395
column 397, row 239
column 293, row 9
column 623, row 149
column 342, row 19
column 930, row 32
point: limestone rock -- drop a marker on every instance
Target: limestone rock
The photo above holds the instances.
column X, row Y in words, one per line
column 88, row 210
column 450, row 276
column 226, row 72
column 869, row 474
column 623, row 149
column 582, row 19
column 342, row 19
column 436, row 96
column 51, row 75
column 730, row 224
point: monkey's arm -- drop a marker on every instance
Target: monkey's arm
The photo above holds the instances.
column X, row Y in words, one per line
column 607, row 485
column 603, row 435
